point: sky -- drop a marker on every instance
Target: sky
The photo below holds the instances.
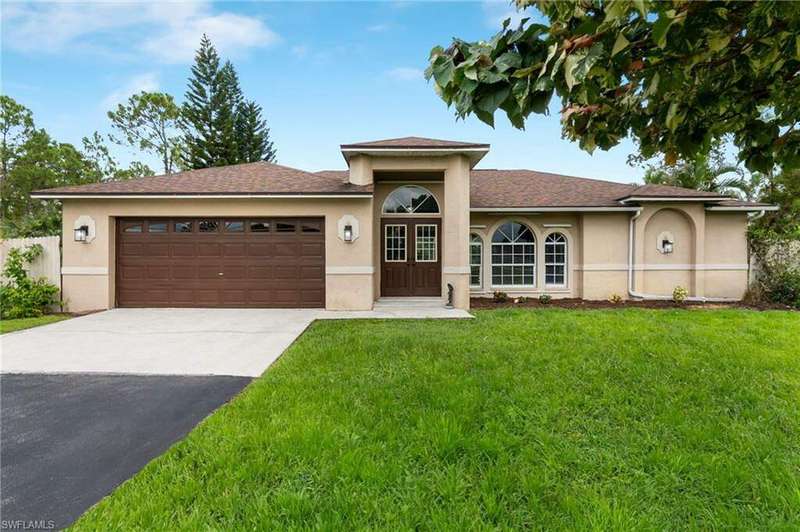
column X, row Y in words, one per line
column 325, row 74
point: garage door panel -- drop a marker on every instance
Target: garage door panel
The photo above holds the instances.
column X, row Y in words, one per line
column 238, row 250
column 264, row 268
column 157, row 249
column 183, row 271
column 184, row 249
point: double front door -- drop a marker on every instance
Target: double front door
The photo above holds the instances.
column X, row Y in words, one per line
column 411, row 263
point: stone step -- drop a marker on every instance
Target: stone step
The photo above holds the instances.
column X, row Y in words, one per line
column 409, row 302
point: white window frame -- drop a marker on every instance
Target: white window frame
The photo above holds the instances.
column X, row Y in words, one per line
column 565, row 264
column 513, row 265
column 435, row 242
column 478, row 243
column 405, row 242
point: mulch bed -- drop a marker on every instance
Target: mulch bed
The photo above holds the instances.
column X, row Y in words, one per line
column 479, row 303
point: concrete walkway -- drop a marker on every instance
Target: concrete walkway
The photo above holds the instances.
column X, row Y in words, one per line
column 242, row 342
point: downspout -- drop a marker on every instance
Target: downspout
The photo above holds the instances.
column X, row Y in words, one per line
column 750, row 219
column 640, row 295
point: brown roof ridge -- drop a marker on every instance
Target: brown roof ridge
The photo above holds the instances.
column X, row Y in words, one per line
column 413, row 141
column 682, row 191
column 594, row 179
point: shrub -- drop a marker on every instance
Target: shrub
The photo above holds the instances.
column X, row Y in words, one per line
column 679, row 295
column 21, row 296
column 499, row 297
column 615, row 299
column 784, row 287
column 545, row 299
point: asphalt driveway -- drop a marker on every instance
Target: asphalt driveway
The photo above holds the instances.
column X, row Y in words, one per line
column 66, row 441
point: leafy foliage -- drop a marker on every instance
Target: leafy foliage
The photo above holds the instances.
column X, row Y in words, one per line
column 673, row 75
column 707, row 171
column 21, row 296
column 36, row 161
column 775, row 241
column 149, row 121
column 679, row 294
column 221, row 126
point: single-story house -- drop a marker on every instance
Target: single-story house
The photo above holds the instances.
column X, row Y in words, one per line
column 412, row 217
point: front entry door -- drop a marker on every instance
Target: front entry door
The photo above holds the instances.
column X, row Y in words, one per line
column 411, row 262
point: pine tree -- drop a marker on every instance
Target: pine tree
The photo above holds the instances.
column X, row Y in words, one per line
column 230, row 99
column 201, row 109
column 221, row 127
column 253, row 134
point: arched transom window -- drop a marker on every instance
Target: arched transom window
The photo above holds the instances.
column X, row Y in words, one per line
column 555, row 260
column 410, row 199
column 513, row 255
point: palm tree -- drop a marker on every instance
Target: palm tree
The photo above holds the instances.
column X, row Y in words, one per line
column 707, row 171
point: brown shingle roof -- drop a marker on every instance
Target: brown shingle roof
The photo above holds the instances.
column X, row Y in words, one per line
column 413, row 143
column 489, row 188
column 250, row 178
column 661, row 191
column 526, row 188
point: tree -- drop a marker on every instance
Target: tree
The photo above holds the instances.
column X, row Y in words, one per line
column 16, row 126
column 221, row 127
column 707, row 171
column 229, row 99
column 253, row 134
column 199, row 109
column 673, row 75
column 149, row 122
column 40, row 162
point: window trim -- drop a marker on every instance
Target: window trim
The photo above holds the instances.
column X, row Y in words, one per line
column 478, row 243
column 405, row 243
column 435, row 242
column 565, row 264
column 436, row 214
column 534, row 264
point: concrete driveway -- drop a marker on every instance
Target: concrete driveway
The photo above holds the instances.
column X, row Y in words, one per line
column 66, row 441
column 241, row 342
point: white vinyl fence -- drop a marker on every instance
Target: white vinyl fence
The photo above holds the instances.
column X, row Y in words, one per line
column 48, row 265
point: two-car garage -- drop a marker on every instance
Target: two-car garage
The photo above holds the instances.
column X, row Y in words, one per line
column 220, row 262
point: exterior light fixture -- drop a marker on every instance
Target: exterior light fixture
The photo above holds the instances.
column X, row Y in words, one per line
column 348, row 233
column 666, row 246
column 81, row 233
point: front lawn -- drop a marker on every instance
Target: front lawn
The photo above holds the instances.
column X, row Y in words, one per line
column 7, row 326
column 618, row 419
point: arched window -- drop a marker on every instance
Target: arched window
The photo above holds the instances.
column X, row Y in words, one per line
column 513, row 255
column 475, row 261
column 555, row 260
column 410, row 199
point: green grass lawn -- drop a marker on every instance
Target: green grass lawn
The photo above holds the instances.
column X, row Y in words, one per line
column 7, row 326
column 620, row 419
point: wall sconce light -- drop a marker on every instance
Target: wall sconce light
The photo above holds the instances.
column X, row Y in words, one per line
column 81, row 233
column 348, row 233
column 666, row 246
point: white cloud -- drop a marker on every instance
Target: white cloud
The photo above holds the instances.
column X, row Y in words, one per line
column 167, row 31
column 378, row 28
column 144, row 82
column 405, row 74
column 498, row 10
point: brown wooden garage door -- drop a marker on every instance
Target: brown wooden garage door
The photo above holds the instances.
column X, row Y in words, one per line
column 220, row 262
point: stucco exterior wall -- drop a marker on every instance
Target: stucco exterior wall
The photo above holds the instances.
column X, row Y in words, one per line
column 604, row 240
column 88, row 269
